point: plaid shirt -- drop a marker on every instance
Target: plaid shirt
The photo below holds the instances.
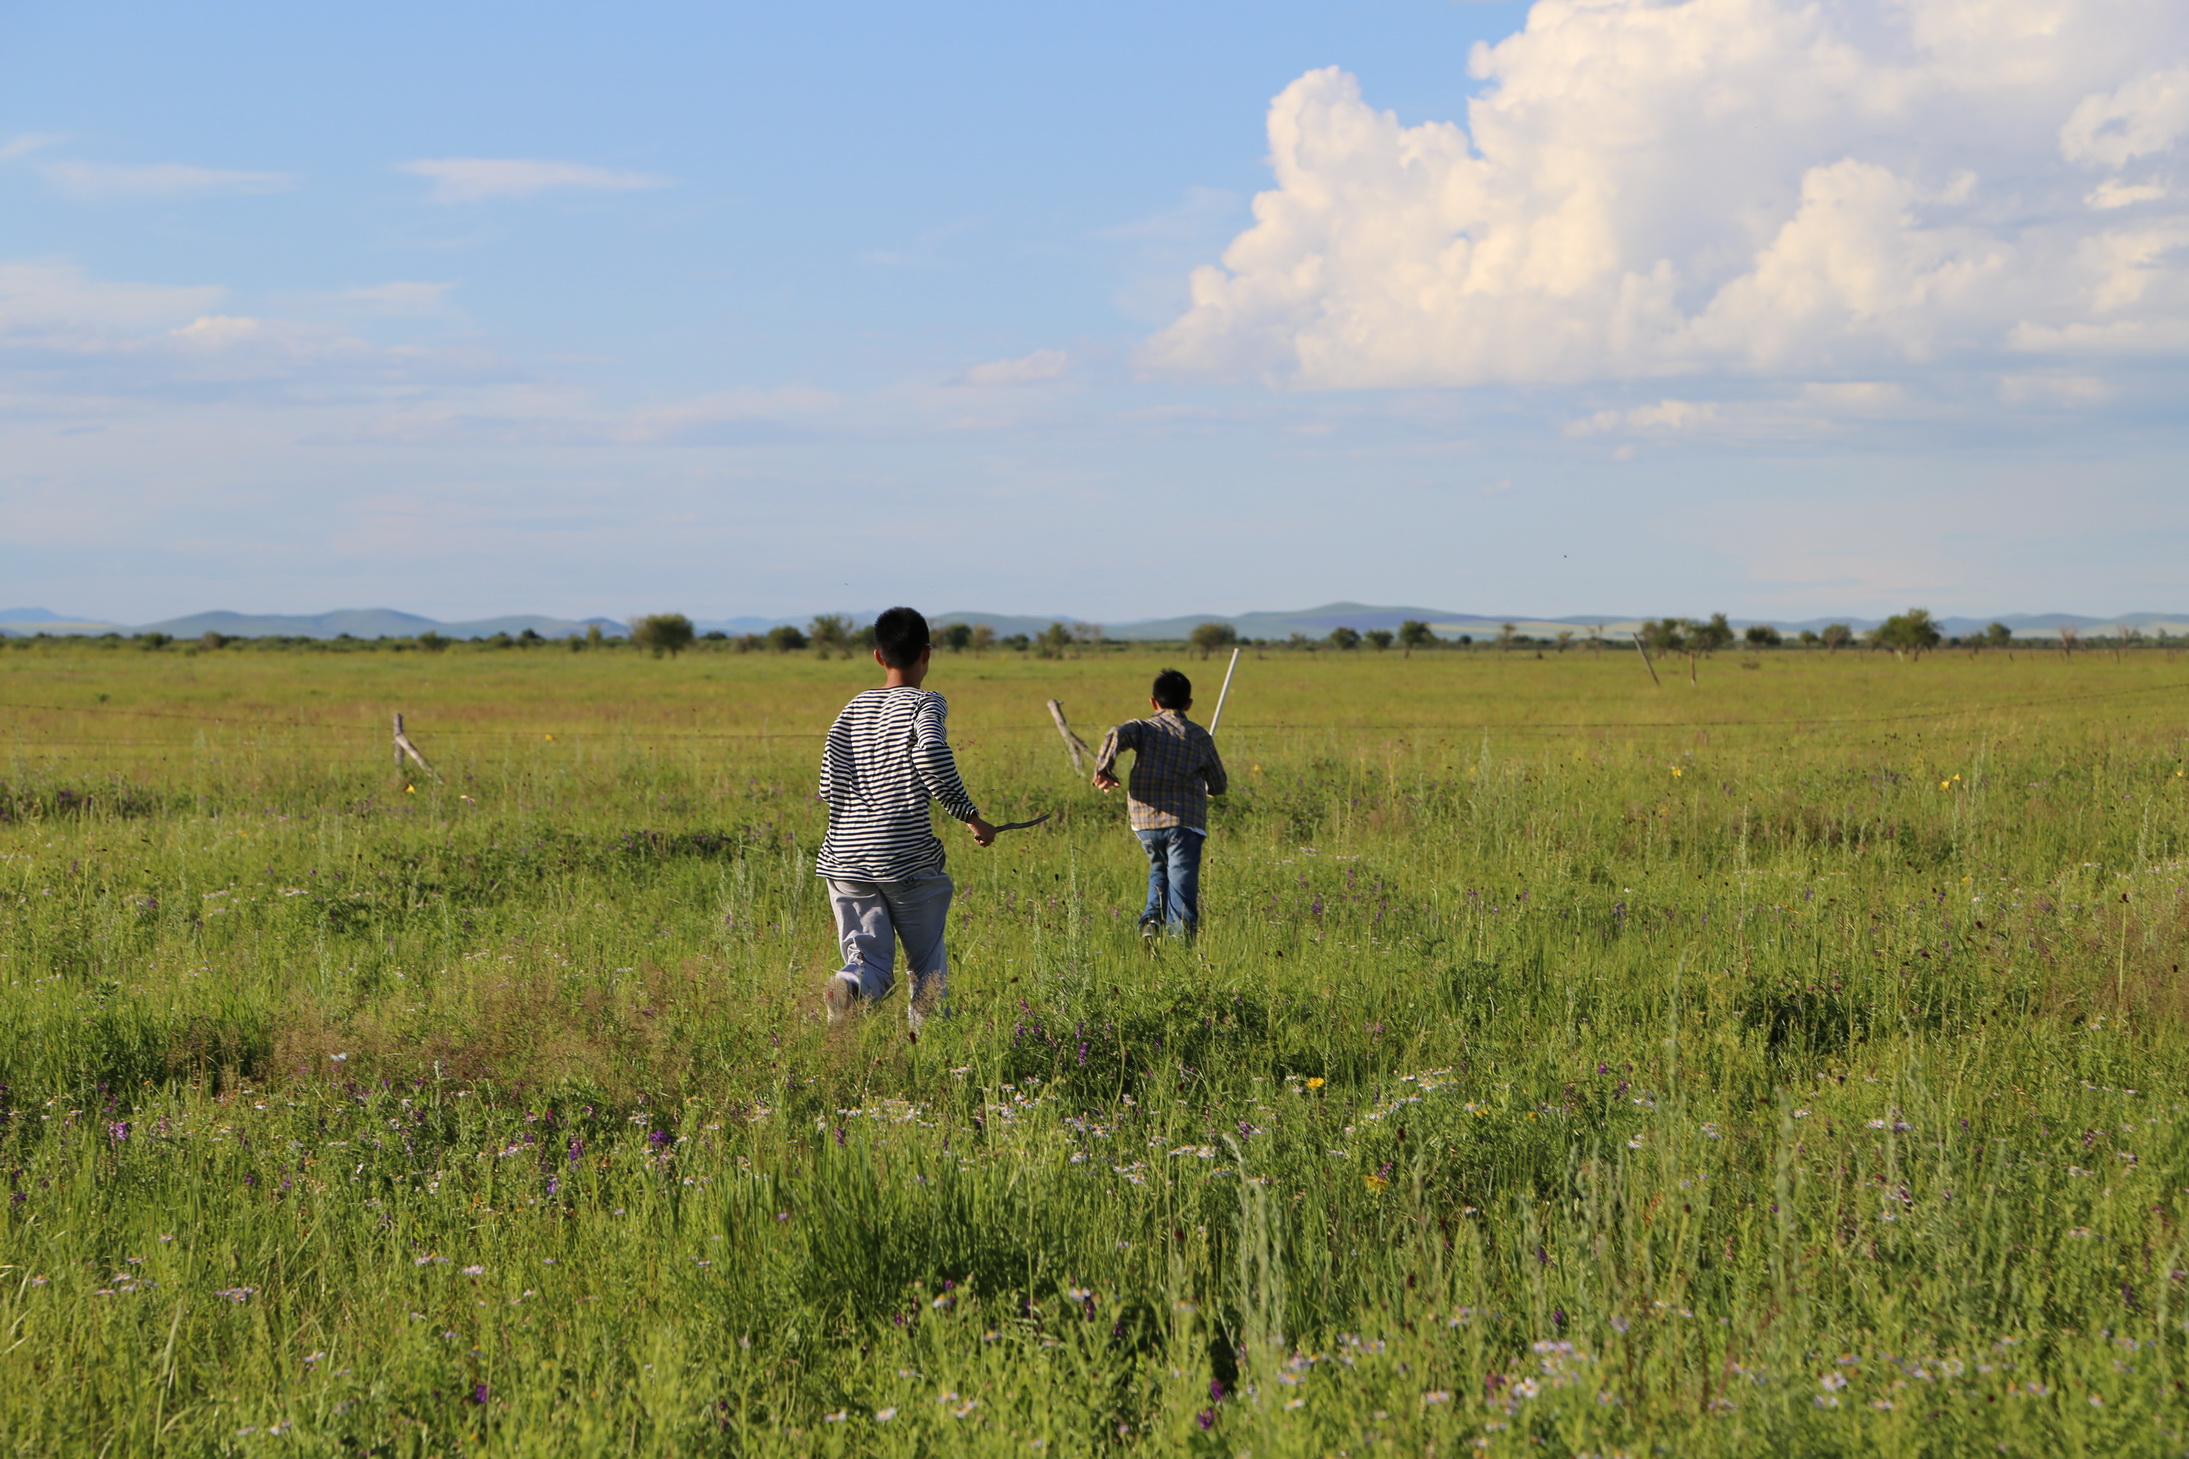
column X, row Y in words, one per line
column 1175, row 770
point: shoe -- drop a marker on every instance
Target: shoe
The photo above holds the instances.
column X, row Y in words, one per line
column 840, row 999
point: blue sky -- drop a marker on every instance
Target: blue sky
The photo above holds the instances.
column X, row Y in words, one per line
column 1613, row 307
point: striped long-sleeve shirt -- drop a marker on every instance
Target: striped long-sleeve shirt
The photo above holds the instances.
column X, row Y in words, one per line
column 888, row 755
column 1175, row 770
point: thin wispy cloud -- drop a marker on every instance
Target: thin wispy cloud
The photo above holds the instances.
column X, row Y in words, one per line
column 25, row 144
column 75, row 344
column 397, row 299
column 925, row 250
column 481, row 179
column 1164, row 247
column 99, row 181
column 1025, row 370
column 46, row 301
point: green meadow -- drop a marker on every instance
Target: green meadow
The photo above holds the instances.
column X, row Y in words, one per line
column 1789, row 1062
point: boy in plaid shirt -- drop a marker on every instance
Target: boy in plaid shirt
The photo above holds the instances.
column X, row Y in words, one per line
column 1175, row 770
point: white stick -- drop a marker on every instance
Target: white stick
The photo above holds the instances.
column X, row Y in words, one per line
column 1218, row 717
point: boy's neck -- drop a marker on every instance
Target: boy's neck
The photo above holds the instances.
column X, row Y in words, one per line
column 909, row 677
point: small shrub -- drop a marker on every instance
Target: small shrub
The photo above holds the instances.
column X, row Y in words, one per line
column 662, row 633
column 1209, row 637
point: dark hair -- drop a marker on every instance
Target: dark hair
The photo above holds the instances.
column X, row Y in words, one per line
column 901, row 635
column 1173, row 690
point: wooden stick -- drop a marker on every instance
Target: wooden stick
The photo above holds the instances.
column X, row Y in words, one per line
column 1073, row 744
column 403, row 748
column 1218, row 717
column 1645, row 660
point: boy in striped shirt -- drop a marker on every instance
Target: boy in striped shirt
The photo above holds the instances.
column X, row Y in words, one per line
column 888, row 755
column 1175, row 771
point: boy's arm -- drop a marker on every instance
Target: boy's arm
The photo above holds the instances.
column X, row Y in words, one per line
column 827, row 784
column 938, row 769
column 1212, row 771
column 1121, row 737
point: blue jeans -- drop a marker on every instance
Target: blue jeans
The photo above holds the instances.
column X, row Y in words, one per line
column 1174, row 878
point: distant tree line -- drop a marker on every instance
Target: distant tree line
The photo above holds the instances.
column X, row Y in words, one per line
column 1907, row 635
column 833, row 635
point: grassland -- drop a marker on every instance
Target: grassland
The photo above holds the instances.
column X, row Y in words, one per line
column 1793, row 1062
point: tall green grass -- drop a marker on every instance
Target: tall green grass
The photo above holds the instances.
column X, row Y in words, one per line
column 1792, row 1062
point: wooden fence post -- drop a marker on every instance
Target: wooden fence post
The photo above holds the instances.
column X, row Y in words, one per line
column 405, row 749
column 1073, row 744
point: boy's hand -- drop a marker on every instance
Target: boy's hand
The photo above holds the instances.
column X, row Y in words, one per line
column 1105, row 782
column 983, row 833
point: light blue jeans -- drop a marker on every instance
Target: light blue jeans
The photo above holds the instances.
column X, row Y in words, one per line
column 872, row 917
column 1174, row 878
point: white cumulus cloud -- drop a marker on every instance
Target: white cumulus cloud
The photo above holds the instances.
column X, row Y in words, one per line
column 1025, row 370
column 2141, row 117
column 476, row 179
column 1791, row 189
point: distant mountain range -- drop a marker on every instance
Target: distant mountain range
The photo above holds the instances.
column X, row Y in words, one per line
column 355, row 622
column 1309, row 622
